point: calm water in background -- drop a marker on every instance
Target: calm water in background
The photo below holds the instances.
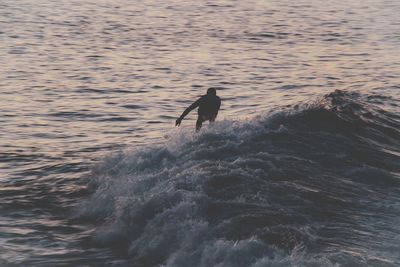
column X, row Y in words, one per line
column 82, row 79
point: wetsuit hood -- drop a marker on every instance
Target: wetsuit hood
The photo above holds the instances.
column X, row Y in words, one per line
column 211, row 91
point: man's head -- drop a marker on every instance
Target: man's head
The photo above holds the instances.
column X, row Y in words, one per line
column 211, row 91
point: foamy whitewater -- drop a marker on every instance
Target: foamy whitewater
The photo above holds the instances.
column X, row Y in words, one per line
column 301, row 168
column 305, row 186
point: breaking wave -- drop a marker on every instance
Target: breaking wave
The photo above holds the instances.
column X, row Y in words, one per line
column 315, row 184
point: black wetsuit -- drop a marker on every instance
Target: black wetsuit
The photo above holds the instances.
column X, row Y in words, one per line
column 208, row 104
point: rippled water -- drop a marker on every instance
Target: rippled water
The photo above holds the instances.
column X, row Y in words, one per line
column 82, row 79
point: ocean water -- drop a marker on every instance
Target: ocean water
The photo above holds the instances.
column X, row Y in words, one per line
column 301, row 168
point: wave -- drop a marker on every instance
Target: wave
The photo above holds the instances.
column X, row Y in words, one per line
column 314, row 184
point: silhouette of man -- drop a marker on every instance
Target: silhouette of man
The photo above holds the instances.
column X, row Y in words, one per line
column 208, row 108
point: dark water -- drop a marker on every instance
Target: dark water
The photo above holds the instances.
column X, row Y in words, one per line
column 301, row 168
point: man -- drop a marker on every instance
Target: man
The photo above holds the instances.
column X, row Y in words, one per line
column 208, row 108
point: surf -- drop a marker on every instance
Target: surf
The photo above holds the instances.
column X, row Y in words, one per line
column 297, row 186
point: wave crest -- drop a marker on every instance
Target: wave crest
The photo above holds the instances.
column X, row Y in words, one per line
column 283, row 188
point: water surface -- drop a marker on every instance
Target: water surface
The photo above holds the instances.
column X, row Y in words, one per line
column 81, row 80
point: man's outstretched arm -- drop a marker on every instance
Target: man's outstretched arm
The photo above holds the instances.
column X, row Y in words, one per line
column 190, row 108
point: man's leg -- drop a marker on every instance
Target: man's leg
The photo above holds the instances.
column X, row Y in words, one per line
column 199, row 122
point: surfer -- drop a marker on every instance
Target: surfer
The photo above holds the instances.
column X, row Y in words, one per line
column 208, row 108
